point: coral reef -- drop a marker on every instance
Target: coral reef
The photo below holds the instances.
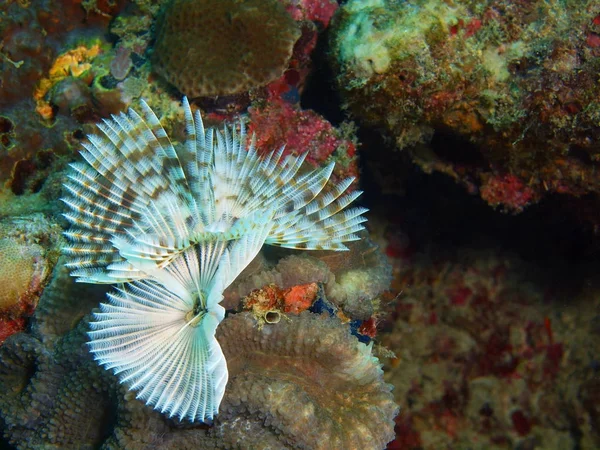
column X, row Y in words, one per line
column 63, row 71
column 49, row 54
column 510, row 89
column 309, row 19
column 178, row 226
column 56, row 395
column 351, row 281
column 223, row 47
column 35, row 32
column 483, row 356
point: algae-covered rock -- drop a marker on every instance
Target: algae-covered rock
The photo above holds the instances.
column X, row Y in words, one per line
column 510, row 89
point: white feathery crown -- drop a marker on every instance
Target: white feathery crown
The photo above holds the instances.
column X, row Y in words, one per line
column 176, row 226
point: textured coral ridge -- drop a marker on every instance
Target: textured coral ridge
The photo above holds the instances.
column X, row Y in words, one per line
column 223, row 47
column 56, row 396
column 339, row 398
column 511, row 86
column 179, row 226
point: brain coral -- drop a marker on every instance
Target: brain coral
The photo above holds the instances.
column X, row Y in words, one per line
column 318, row 387
column 207, row 48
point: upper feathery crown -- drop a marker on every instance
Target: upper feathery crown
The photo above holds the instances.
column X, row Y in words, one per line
column 177, row 224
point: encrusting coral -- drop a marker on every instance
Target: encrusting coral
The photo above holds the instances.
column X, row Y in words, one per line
column 22, row 267
column 339, row 398
column 54, row 394
column 223, row 47
column 351, row 281
column 179, row 226
column 29, row 248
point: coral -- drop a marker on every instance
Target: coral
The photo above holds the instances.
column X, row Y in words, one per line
column 72, row 96
column 268, row 303
column 508, row 191
column 33, row 33
column 216, row 47
column 74, row 63
column 122, row 63
column 181, row 226
column 229, row 192
column 10, row 326
column 303, row 358
column 500, row 90
column 22, row 270
column 44, row 46
column 351, row 282
column 56, row 395
column 319, row 11
column 29, row 249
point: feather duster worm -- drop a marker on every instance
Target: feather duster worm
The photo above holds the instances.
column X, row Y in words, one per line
column 177, row 227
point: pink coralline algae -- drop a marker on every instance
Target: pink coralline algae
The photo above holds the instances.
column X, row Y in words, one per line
column 320, row 11
column 279, row 123
column 507, row 191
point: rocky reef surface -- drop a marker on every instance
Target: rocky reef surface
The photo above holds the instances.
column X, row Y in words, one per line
column 509, row 87
column 302, row 382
